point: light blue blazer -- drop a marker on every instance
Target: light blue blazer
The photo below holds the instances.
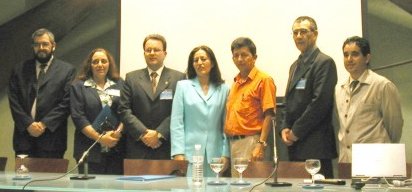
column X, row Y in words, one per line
column 198, row 119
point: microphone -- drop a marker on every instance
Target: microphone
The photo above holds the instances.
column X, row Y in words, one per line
column 83, row 160
column 275, row 182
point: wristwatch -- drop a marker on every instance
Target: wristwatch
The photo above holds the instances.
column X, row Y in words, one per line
column 263, row 143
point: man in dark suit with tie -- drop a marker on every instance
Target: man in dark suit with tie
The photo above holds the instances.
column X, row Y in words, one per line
column 307, row 124
column 146, row 103
column 39, row 100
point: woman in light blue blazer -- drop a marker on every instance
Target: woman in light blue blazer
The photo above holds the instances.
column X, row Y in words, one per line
column 198, row 111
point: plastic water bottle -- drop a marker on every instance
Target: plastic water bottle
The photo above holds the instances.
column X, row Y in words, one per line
column 197, row 167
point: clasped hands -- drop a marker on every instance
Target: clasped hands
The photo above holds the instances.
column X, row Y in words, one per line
column 288, row 137
column 36, row 129
column 151, row 139
column 110, row 138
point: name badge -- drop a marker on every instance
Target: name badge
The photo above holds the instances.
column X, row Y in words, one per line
column 167, row 94
column 113, row 92
column 301, row 84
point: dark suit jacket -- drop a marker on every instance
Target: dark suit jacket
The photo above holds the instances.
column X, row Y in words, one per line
column 52, row 105
column 308, row 111
column 85, row 106
column 141, row 110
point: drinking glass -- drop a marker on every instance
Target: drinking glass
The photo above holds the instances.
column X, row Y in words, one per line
column 312, row 166
column 217, row 164
column 22, row 172
column 240, row 164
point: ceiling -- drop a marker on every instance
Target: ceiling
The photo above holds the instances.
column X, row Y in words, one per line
column 11, row 9
column 404, row 4
column 396, row 12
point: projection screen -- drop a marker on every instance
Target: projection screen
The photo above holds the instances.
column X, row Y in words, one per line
column 216, row 23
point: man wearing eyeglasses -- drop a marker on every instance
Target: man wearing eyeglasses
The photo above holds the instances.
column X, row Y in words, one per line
column 307, row 124
column 39, row 100
column 146, row 103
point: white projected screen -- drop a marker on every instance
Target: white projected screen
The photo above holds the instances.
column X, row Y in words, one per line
column 216, row 23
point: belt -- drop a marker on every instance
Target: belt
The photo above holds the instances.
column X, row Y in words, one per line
column 236, row 137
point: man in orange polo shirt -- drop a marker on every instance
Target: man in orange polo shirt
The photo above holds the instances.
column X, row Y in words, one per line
column 250, row 105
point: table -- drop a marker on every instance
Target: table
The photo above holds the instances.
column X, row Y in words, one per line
column 178, row 184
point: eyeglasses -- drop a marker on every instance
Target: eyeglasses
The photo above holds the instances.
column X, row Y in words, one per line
column 41, row 44
column 155, row 51
column 103, row 61
column 302, row 32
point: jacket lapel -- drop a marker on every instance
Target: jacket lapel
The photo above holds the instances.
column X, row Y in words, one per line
column 163, row 82
column 199, row 91
column 304, row 68
column 50, row 73
column 293, row 68
column 93, row 92
column 31, row 80
column 161, row 85
column 212, row 90
column 146, row 83
column 196, row 86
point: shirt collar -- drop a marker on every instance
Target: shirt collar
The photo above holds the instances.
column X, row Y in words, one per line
column 308, row 53
column 91, row 83
column 251, row 76
column 362, row 79
column 159, row 71
column 47, row 64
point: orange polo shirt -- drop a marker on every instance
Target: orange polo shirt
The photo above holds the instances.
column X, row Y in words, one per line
column 247, row 102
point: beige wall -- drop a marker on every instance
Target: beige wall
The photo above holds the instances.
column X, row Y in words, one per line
column 389, row 31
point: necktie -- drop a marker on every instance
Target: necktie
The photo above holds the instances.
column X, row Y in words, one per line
column 36, row 86
column 299, row 64
column 153, row 75
column 41, row 73
column 353, row 85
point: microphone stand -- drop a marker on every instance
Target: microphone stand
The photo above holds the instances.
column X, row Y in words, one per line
column 83, row 160
column 275, row 182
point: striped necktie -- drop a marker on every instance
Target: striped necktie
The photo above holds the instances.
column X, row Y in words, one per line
column 42, row 72
column 153, row 75
column 353, row 85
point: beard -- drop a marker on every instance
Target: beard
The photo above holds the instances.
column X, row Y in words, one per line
column 43, row 56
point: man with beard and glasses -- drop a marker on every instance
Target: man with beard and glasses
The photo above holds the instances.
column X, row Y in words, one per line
column 39, row 100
